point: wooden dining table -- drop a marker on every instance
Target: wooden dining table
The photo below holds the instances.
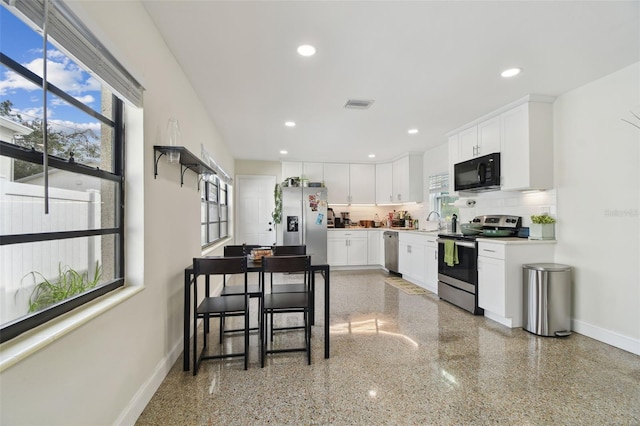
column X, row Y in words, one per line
column 253, row 266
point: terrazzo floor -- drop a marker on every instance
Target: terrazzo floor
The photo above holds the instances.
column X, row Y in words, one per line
column 407, row 359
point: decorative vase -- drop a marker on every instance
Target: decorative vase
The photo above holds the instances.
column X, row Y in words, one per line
column 542, row 231
column 173, row 139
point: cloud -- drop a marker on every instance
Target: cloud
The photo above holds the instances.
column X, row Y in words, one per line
column 61, row 72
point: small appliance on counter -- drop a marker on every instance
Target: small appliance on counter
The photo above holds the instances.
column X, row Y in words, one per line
column 345, row 218
column 330, row 218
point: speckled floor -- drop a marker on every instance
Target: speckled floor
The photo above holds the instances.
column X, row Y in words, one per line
column 408, row 359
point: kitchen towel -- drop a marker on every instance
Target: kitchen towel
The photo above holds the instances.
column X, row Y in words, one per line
column 450, row 253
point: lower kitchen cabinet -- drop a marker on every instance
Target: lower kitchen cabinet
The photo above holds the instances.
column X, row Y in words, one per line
column 411, row 258
column 375, row 249
column 431, row 263
column 346, row 248
column 500, row 276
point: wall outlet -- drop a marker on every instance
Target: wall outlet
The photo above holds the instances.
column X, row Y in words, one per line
column 545, row 210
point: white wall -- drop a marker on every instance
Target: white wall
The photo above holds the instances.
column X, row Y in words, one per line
column 105, row 371
column 597, row 161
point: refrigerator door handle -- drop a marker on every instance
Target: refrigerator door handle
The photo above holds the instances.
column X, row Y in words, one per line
column 303, row 234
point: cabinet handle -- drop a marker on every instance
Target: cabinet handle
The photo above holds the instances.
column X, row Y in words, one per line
column 435, row 255
column 490, row 251
column 391, row 197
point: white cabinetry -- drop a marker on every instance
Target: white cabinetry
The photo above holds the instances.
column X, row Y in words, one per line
column 489, row 137
column 375, row 250
column 500, row 277
column 384, row 183
column 407, row 175
column 336, row 179
column 454, row 157
column 482, row 139
column 312, row 171
column 468, row 140
column 431, row 263
column 527, row 147
column 347, row 248
column 362, row 188
column 411, row 257
column 291, row 169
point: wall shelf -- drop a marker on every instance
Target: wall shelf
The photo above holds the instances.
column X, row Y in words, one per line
column 188, row 161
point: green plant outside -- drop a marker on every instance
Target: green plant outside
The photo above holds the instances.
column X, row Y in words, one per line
column 69, row 283
column 542, row 219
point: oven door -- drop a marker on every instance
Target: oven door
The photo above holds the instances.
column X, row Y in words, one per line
column 466, row 271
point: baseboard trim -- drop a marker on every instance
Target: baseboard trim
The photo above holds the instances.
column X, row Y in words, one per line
column 606, row 336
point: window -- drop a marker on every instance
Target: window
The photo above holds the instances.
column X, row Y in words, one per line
column 61, row 165
column 439, row 198
column 214, row 210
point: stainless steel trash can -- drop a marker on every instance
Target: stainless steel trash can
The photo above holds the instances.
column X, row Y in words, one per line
column 547, row 299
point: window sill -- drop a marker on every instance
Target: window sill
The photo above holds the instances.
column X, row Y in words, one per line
column 18, row 349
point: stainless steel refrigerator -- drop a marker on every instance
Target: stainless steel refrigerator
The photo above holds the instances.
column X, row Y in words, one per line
column 304, row 220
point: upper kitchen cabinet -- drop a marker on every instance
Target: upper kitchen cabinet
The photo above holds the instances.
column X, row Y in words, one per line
column 407, row 174
column 336, row 179
column 312, row 171
column 522, row 132
column 384, row 183
column 479, row 140
column 291, row 169
column 362, row 187
column 527, row 147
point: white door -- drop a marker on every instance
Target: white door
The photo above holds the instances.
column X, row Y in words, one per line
column 255, row 203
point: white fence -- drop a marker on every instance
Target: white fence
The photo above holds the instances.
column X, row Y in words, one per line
column 22, row 211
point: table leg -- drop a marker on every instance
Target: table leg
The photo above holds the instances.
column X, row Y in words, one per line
column 187, row 322
column 327, row 286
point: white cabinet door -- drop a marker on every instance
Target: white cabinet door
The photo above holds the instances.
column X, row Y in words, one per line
column 431, row 261
column 291, row 169
column 384, row 183
column 491, row 284
column 527, row 147
column 313, row 171
column 400, row 181
column 418, row 270
column 337, row 254
column 336, row 179
column 357, row 247
column 404, row 258
column 488, row 137
column 362, row 187
column 468, row 143
column 374, row 240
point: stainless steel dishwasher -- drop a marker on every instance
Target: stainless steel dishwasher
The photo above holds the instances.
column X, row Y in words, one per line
column 391, row 250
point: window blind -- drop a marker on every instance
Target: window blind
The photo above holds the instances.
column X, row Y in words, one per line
column 76, row 39
column 439, row 183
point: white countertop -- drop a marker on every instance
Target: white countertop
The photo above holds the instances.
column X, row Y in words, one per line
column 512, row 240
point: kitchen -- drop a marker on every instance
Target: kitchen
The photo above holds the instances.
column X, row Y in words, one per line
column 597, row 213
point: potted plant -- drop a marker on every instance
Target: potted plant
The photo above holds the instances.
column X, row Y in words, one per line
column 542, row 227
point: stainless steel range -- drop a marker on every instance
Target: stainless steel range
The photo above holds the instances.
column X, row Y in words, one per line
column 458, row 282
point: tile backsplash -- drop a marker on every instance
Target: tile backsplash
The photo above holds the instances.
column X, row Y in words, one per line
column 522, row 204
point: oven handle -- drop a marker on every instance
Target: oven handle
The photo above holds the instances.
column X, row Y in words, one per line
column 459, row 243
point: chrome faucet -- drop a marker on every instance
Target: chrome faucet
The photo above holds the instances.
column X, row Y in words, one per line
column 431, row 212
column 440, row 227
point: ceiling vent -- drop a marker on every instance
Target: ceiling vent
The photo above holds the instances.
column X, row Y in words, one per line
column 358, row 104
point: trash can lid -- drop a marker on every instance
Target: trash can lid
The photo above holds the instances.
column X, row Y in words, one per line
column 553, row 267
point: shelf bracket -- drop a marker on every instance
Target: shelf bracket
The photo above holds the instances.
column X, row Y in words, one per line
column 155, row 162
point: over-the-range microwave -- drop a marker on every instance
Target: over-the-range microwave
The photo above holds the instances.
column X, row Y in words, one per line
column 478, row 174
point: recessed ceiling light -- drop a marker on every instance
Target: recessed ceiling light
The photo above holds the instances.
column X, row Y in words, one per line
column 511, row 72
column 372, row 156
column 284, row 151
column 412, row 131
column 306, row 50
column 290, row 123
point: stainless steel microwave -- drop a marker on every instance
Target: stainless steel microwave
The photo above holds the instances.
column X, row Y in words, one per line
column 478, row 174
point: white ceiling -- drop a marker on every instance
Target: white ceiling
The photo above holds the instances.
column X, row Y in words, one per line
column 432, row 65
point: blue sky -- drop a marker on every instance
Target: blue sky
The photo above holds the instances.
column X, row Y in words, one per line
column 24, row 45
